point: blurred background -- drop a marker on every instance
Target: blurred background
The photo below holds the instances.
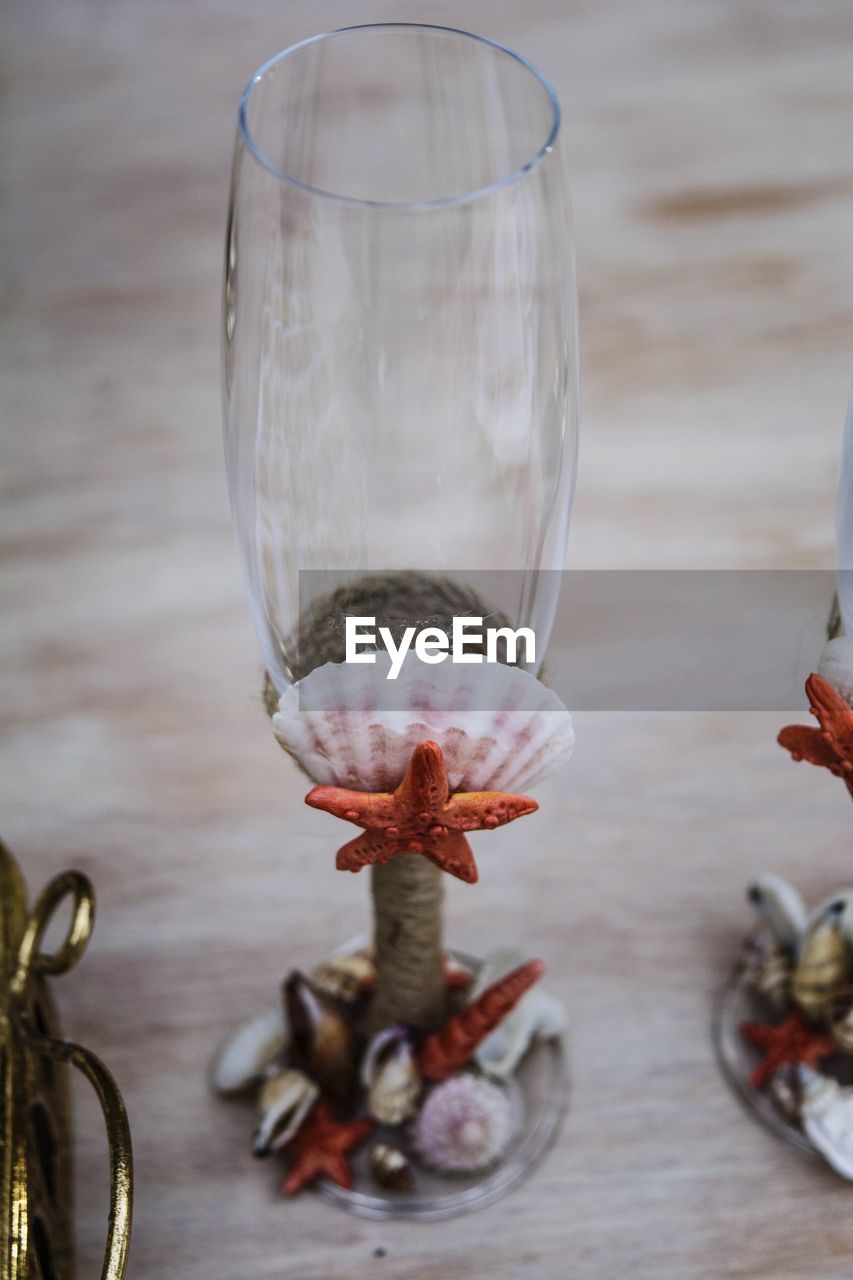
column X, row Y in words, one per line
column 711, row 156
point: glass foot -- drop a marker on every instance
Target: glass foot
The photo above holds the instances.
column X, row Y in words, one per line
column 539, row 1096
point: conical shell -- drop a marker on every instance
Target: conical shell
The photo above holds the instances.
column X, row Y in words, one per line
column 820, row 975
column 499, row 728
column 447, row 1051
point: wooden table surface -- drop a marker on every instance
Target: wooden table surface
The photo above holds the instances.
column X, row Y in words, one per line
column 712, row 155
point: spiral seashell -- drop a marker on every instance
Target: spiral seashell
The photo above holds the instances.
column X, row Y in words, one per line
column 448, row 1050
column 390, row 1168
column 499, row 728
column 322, row 1041
column 820, row 975
column 284, row 1102
column 464, row 1125
column 390, row 1075
column 245, row 1056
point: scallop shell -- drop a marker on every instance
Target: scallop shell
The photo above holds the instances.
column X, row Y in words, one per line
column 464, row 1125
column 245, row 1056
column 826, row 1113
column 537, row 1016
column 284, row 1102
column 836, row 665
column 390, row 1075
column 498, row 727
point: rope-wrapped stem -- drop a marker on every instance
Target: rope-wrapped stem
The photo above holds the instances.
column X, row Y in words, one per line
column 408, row 890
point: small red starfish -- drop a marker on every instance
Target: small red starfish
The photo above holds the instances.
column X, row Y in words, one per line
column 791, row 1041
column 421, row 816
column 832, row 744
column 320, row 1147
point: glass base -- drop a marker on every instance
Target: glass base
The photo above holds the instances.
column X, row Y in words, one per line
column 738, row 1003
column 539, row 1096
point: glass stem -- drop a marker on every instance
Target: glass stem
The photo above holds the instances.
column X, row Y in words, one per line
column 408, row 939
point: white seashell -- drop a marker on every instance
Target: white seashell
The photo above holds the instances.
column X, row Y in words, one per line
column 465, row 1124
column 390, row 1075
column 284, row 1102
column 781, row 906
column 537, row 1016
column 836, row 664
column 499, row 728
column 245, row 1056
column 826, row 1112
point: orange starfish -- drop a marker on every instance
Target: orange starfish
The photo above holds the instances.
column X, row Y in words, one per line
column 832, row 744
column 791, row 1041
column 421, row 816
column 320, row 1147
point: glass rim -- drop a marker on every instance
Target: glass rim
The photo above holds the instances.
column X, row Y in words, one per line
column 417, row 206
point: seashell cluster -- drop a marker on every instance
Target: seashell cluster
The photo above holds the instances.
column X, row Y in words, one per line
column 441, row 1098
column 499, row 728
column 801, row 966
column 464, row 1126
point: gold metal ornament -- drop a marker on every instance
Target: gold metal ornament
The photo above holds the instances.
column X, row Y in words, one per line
column 36, row 1223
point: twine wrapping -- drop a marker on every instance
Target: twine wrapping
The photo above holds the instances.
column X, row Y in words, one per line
column 408, row 890
column 407, row 938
